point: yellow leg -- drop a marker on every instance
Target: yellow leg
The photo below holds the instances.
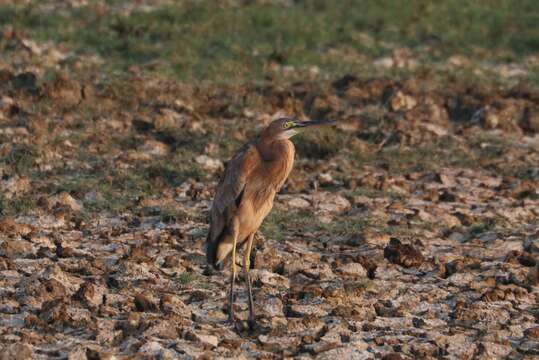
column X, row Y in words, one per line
column 246, row 268
column 234, row 232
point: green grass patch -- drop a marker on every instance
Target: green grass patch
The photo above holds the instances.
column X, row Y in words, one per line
column 172, row 215
column 21, row 158
column 274, row 225
column 209, row 40
column 483, row 150
column 20, row 205
column 187, row 278
column 320, row 144
column 117, row 190
column 279, row 223
column 373, row 193
column 194, row 280
column 481, row 227
column 426, row 157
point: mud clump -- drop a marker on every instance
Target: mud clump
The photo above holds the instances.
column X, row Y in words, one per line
column 403, row 254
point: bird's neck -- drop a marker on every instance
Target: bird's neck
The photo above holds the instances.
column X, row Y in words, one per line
column 275, row 150
column 278, row 159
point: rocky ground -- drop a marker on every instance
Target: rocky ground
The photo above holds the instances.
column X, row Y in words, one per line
column 408, row 231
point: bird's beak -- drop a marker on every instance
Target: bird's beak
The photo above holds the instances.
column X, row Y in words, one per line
column 304, row 124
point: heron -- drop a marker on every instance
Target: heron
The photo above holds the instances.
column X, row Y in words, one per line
column 244, row 197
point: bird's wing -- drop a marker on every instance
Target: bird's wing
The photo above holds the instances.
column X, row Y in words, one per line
column 230, row 188
column 229, row 193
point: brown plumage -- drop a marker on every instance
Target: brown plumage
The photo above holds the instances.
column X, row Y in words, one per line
column 245, row 193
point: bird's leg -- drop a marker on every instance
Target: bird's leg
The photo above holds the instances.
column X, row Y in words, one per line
column 231, row 295
column 246, row 268
column 234, row 234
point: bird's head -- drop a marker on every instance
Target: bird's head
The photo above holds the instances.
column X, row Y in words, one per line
column 285, row 128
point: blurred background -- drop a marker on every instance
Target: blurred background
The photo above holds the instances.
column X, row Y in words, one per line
column 236, row 41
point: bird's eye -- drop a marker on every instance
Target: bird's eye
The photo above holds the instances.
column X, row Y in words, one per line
column 288, row 124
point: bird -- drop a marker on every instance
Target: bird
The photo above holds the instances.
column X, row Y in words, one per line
column 244, row 197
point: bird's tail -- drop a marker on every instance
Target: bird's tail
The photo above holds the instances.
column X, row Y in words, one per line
column 212, row 249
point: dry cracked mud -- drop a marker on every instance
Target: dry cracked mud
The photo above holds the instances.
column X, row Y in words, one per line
column 409, row 231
